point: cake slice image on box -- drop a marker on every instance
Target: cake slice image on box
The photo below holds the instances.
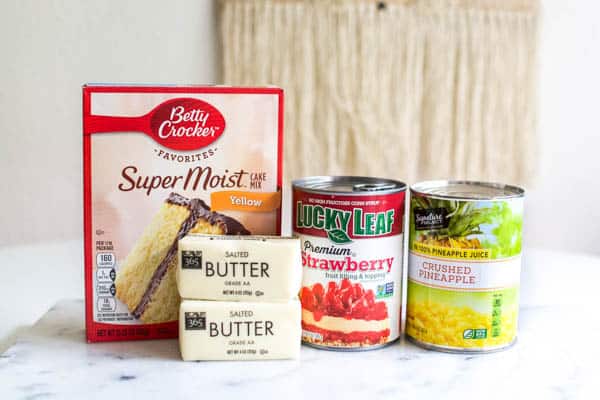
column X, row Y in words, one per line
column 146, row 280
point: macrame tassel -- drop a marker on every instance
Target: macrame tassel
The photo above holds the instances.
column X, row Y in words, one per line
column 406, row 89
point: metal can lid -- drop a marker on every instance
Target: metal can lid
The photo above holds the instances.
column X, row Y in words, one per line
column 348, row 185
column 467, row 190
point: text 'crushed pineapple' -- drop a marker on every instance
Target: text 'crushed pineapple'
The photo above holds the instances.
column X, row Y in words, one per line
column 464, row 265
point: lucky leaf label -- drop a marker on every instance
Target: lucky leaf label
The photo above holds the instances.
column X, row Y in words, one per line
column 338, row 236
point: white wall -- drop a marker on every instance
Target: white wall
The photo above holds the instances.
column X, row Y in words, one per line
column 49, row 48
column 563, row 209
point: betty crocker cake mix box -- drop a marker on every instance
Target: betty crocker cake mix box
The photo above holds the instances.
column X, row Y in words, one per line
column 161, row 162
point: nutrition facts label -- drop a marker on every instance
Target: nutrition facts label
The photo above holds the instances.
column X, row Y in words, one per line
column 496, row 314
column 105, row 282
column 106, row 306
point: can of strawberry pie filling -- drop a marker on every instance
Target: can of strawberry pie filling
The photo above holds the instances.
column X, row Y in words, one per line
column 351, row 233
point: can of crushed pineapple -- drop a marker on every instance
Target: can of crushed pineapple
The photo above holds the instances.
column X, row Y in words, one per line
column 464, row 265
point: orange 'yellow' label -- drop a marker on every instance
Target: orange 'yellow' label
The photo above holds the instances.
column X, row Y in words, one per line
column 245, row 201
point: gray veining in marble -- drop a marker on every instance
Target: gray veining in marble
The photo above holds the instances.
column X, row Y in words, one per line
column 555, row 358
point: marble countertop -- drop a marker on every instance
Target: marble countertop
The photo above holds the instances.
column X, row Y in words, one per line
column 556, row 356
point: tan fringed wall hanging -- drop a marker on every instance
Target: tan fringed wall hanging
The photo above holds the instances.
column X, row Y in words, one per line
column 406, row 89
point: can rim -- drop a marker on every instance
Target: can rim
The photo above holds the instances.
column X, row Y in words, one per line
column 513, row 191
column 364, row 185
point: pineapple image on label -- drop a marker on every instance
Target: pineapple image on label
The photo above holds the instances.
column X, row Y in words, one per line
column 464, row 265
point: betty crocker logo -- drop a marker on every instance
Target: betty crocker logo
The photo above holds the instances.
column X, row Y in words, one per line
column 179, row 124
column 186, row 124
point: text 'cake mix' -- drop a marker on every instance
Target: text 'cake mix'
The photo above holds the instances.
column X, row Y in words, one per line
column 161, row 162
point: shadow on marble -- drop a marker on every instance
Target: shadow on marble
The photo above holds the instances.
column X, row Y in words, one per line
column 12, row 337
column 64, row 326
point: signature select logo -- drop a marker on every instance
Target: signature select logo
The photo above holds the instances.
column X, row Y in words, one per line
column 186, row 124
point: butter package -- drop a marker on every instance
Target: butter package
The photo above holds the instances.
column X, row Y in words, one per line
column 224, row 330
column 239, row 268
column 161, row 162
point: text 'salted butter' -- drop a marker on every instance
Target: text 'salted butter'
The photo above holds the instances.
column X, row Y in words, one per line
column 239, row 268
column 224, row 330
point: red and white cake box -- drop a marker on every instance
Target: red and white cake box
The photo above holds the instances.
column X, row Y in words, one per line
column 161, row 162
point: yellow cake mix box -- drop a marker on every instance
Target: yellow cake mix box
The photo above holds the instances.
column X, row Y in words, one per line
column 161, row 162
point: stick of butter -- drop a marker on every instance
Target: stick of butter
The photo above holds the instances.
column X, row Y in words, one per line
column 226, row 330
column 239, row 268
